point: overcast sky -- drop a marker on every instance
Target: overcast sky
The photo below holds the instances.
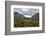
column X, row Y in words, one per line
column 28, row 12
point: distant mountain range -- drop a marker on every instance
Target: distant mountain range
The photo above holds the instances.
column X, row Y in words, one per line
column 20, row 16
column 36, row 16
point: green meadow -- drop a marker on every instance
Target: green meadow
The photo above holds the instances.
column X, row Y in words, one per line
column 26, row 22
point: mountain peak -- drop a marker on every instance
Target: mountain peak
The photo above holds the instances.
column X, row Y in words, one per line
column 18, row 15
column 36, row 16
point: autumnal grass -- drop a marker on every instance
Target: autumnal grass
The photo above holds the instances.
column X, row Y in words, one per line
column 26, row 23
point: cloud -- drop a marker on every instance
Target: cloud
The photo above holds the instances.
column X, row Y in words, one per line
column 27, row 11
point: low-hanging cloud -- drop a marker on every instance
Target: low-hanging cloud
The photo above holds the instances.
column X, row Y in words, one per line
column 26, row 11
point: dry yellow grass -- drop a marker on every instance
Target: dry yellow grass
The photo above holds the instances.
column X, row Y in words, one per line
column 26, row 23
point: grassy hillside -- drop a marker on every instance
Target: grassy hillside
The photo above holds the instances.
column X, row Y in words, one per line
column 26, row 22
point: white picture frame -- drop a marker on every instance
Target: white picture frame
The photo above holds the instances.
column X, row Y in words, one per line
column 10, row 5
